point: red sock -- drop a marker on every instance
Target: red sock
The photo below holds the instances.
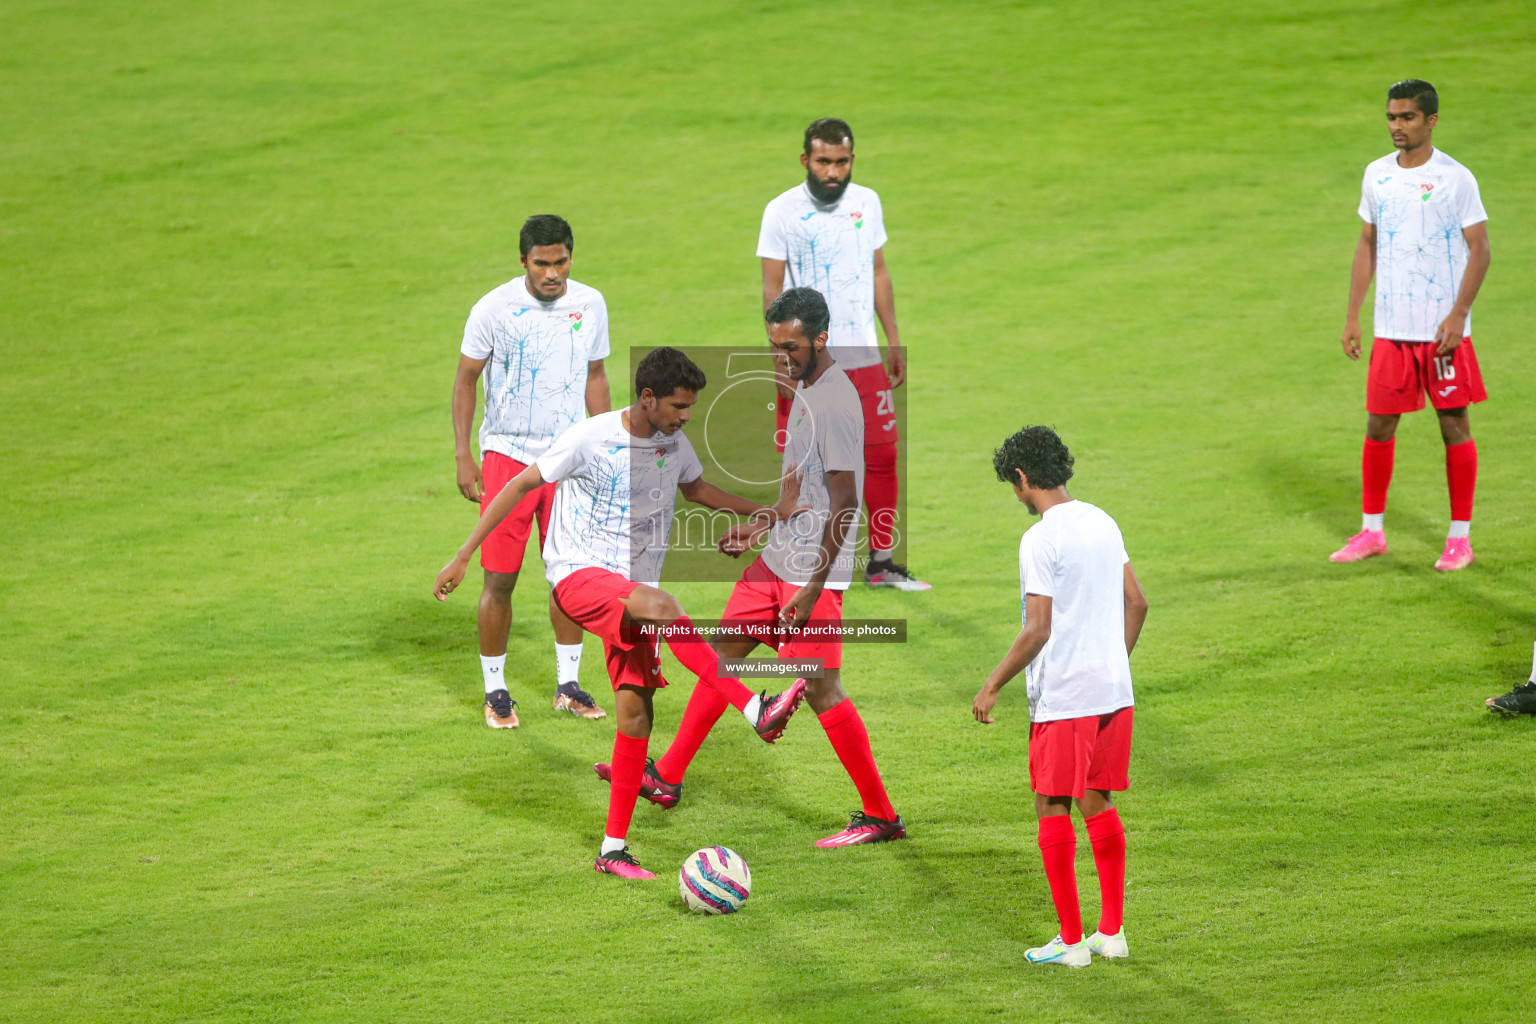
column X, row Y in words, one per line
column 1058, row 847
column 1376, row 475
column 851, row 742
column 1461, row 478
column 624, row 788
column 1108, row 838
column 705, row 706
column 880, row 491
column 699, row 658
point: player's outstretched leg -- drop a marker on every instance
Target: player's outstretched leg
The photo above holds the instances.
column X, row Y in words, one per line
column 634, row 710
column 1058, row 849
column 877, row 821
column 1107, row 837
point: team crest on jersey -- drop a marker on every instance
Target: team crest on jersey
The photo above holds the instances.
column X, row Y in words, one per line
column 1425, row 190
column 574, row 319
column 857, row 217
column 661, row 457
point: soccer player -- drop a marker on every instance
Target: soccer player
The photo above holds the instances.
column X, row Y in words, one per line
column 1519, row 701
column 1083, row 610
column 829, row 234
column 618, row 474
column 1425, row 238
column 801, row 574
column 539, row 340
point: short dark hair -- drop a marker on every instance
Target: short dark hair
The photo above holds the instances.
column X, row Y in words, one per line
column 1039, row 453
column 545, row 229
column 1421, row 92
column 803, row 304
column 664, row 370
column 831, row 130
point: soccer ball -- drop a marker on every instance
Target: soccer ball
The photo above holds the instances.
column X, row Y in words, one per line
column 714, row 880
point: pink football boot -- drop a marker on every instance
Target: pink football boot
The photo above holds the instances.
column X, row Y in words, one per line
column 1363, row 545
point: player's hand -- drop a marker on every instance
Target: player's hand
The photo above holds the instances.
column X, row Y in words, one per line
column 794, row 615
column 741, row 538
column 898, row 367
column 449, row 579
column 1351, row 339
column 471, row 483
column 1451, row 332
column 986, row 700
column 788, row 506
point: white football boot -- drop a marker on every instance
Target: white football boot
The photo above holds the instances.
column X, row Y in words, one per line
column 1110, row 947
column 1058, row 952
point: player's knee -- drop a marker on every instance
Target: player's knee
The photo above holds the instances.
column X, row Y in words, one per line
column 500, row 584
column 652, row 605
column 880, row 458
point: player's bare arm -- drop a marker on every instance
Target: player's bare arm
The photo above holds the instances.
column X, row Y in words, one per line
column 465, row 381
column 885, row 309
column 773, row 287
column 842, row 493
column 1360, row 274
column 599, row 399
column 1026, row 647
column 452, row 574
column 1453, row 329
column 1135, row 608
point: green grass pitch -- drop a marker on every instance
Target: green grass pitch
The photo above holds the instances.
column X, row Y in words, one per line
column 242, row 771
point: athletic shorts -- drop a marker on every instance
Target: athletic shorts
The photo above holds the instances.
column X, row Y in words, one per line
column 754, row 607
column 503, row 550
column 874, row 388
column 594, row 599
column 1402, row 371
column 1070, row 756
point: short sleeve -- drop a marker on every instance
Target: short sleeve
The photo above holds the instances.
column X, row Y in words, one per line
column 1367, row 200
column 1039, row 566
column 566, row 455
column 877, row 242
column 478, row 332
column 843, row 439
column 1469, row 202
column 597, row 344
column 689, row 466
column 772, row 242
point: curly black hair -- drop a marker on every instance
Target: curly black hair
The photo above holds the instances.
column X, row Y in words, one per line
column 664, row 370
column 803, row 304
column 1039, row 453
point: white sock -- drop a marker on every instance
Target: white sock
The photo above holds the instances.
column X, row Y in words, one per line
column 494, row 668
column 1373, row 521
column 567, row 662
column 611, row 845
column 876, row 555
column 753, row 709
column 1460, row 528
column 1533, row 663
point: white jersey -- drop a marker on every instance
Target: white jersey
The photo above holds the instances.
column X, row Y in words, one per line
column 614, row 502
column 831, row 249
column 1075, row 556
column 826, row 432
column 536, row 356
column 1421, row 254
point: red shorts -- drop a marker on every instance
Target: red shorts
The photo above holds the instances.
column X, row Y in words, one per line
column 1401, row 371
column 503, row 550
column 874, row 388
column 754, row 607
column 1070, row 756
column 594, row 599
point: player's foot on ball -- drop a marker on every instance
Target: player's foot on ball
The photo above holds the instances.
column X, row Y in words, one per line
column 1110, row 947
column 865, row 828
column 652, row 786
column 886, row 573
column 774, row 714
column 620, row 863
column 571, row 697
column 1058, row 952
column 1457, row 554
column 1519, row 701
column 1362, row 545
column 498, row 710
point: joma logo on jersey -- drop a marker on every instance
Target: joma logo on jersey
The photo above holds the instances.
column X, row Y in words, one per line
column 574, row 319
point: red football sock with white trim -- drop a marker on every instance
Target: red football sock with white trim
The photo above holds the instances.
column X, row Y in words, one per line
column 1058, row 848
column 699, row 658
column 624, row 787
column 705, row 706
column 1108, row 838
column 1376, row 475
column 851, row 742
column 1461, row 478
column 881, row 489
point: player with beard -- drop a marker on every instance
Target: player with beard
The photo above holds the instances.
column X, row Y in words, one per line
column 828, row 233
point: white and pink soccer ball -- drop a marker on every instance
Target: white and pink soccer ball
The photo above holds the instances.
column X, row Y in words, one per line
column 714, row 880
